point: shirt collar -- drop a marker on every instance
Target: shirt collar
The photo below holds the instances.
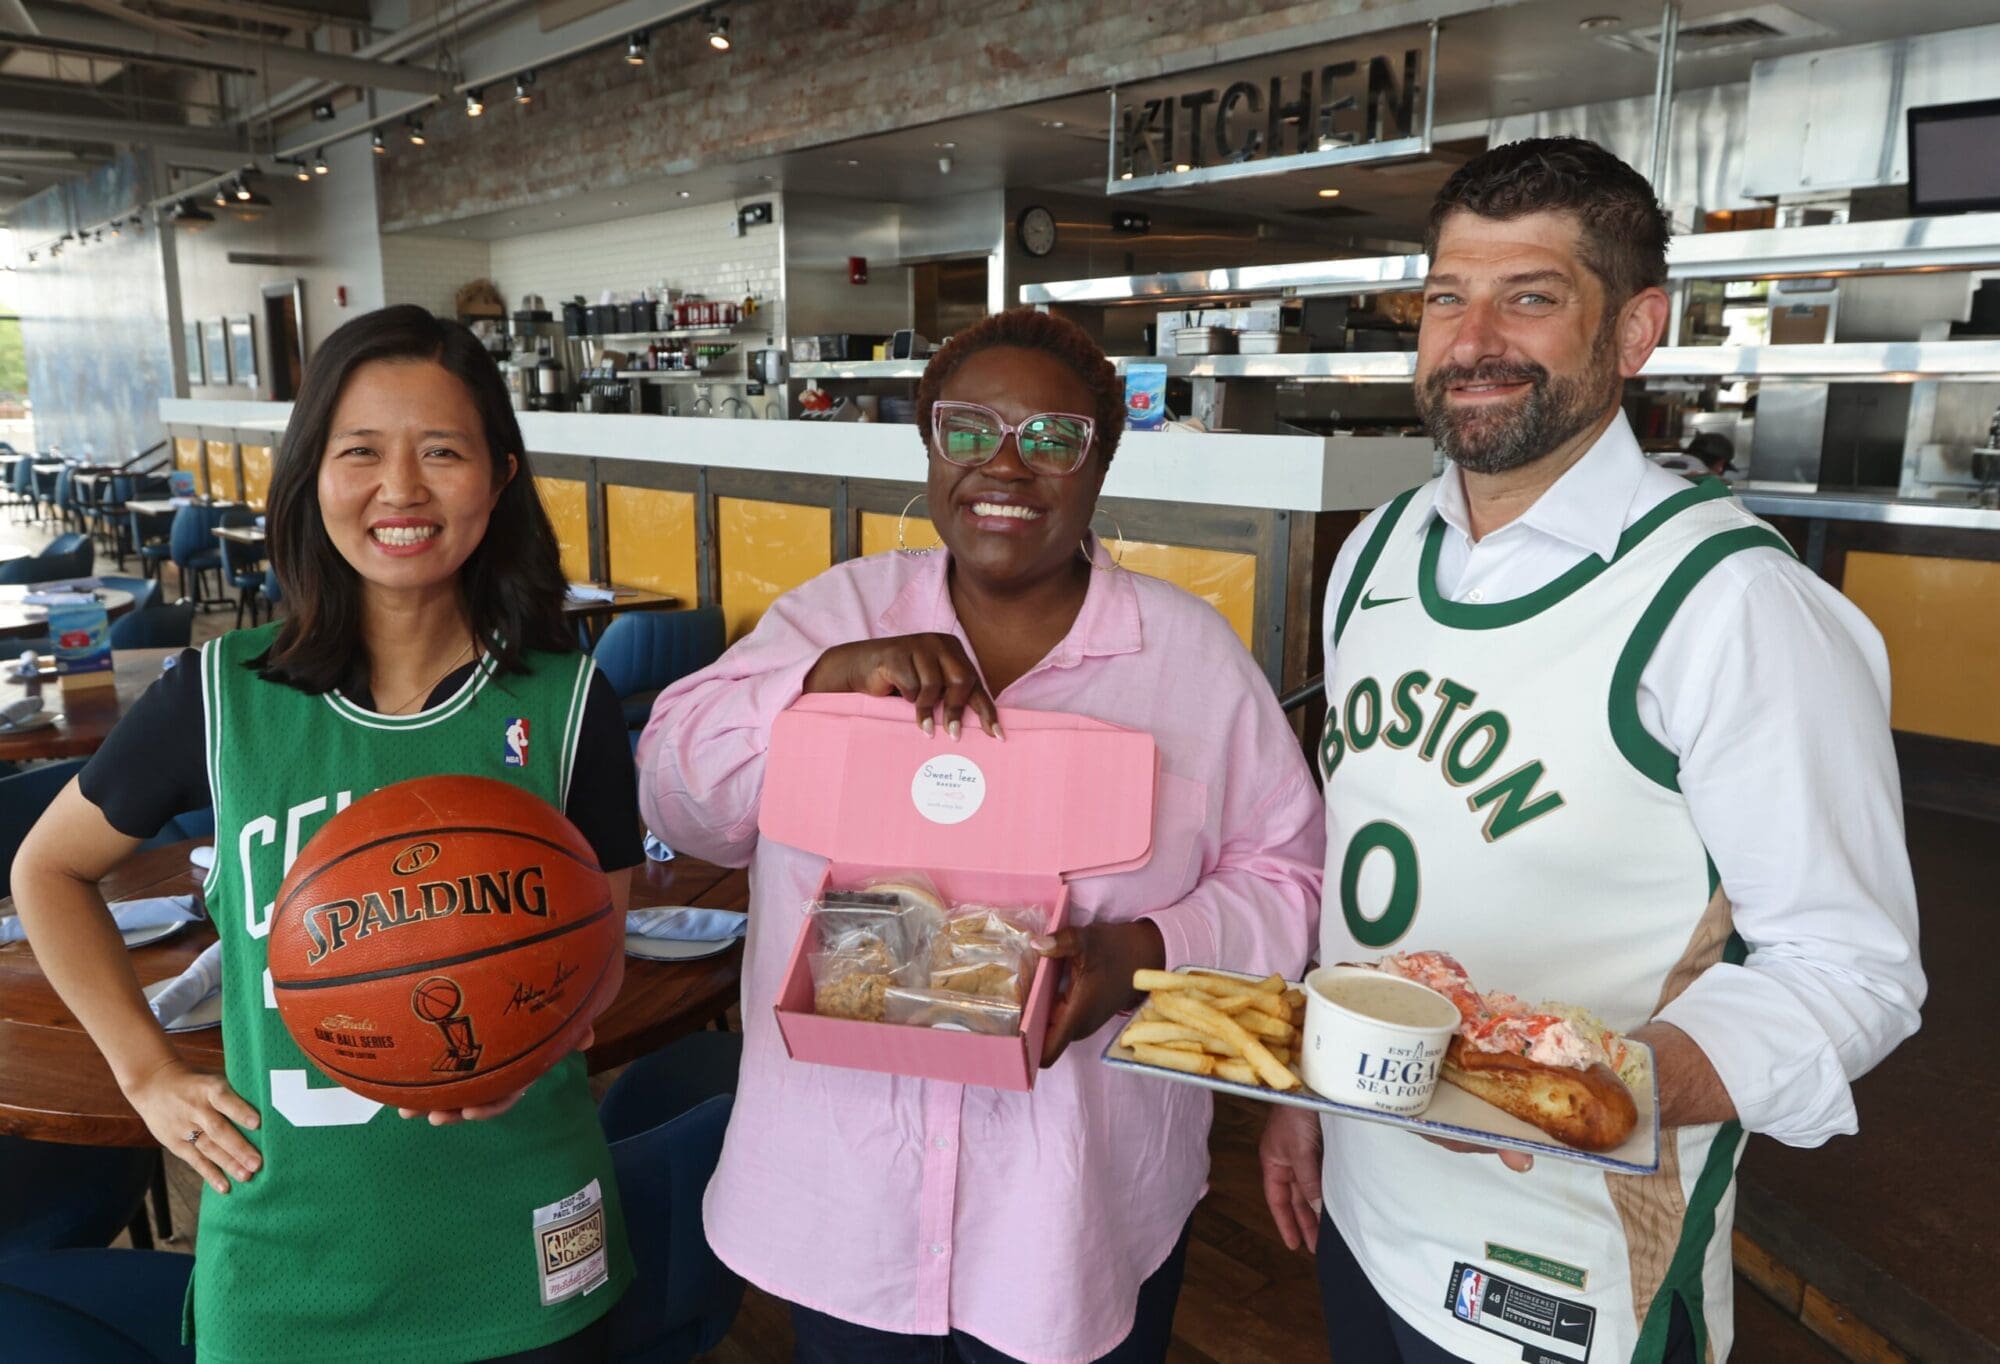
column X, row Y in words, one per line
column 1587, row 507
column 1108, row 623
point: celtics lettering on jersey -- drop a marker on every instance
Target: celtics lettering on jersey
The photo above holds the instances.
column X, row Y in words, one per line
column 1433, row 719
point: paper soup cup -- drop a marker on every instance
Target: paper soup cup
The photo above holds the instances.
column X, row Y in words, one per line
column 1375, row 1040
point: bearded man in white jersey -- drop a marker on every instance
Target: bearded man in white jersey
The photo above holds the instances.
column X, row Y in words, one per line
column 1602, row 737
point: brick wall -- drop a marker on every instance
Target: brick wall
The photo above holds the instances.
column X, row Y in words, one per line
column 806, row 73
column 429, row 270
column 690, row 249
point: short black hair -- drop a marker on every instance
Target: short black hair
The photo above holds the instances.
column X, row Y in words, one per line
column 1031, row 330
column 513, row 582
column 1625, row 231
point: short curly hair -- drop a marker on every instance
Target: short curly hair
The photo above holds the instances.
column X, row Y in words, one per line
column 1032, row 330
column 1624, row 230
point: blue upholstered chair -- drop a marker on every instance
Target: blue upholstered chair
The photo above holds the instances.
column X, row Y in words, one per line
column 192, row 545
column 643, row 652
column 156, row 627
column 664, row 1118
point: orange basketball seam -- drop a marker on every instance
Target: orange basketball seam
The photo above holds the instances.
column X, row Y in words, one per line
column 318, row 872
column 391, row 972
column 486, row 1074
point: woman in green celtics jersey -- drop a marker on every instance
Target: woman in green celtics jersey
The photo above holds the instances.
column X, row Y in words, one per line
column 425, row 636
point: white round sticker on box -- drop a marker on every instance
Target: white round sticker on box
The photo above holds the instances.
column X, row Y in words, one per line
column 948, row 789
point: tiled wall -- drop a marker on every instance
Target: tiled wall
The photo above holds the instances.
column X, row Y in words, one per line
column 690, row 249
column 429, row 271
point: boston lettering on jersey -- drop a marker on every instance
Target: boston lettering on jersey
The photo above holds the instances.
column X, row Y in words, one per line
column 1425, row 711
column 336, row 923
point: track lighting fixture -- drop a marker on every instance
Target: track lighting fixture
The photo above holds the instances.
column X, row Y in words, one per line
column 524, row 88
column 718, row 31
column 475, row 103
column 416, row 126
column 635, row 48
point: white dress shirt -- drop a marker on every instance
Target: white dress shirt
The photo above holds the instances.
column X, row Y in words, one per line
column 1772, row 689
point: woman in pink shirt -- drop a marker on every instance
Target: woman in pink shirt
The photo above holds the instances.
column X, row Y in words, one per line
column 908, row 1219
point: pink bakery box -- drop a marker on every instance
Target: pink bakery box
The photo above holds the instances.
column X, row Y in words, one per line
column 991, row 821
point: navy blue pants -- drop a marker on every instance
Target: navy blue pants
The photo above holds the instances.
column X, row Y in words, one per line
column 821, row 1339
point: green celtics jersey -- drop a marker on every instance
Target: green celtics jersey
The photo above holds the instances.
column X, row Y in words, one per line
column 1491, row 792
column 366, row 1236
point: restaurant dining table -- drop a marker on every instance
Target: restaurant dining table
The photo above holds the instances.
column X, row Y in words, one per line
column 589, row 617
column 249, row 536
column 167, row 506
column 83, row 718
column 54, row 1085
column 20, row 620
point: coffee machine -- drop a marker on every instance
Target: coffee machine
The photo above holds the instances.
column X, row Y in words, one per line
column 540, row 374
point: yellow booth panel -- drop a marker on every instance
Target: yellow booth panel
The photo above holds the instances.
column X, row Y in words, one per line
column 568, row 504
column 256, row 475
column 187, row 457
column 222, row 470
column 767, row 549
column 1225, row 580
column 649, row 540
column 1938, row 620
column 878, row 533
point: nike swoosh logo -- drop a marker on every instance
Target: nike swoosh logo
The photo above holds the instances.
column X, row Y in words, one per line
column 1369, row 601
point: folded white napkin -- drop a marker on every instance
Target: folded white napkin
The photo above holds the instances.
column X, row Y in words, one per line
column 202, row 857
column 71, row 585
column 19, row 710
column 57, row 598
column 687, row 924
column 591, row 592
column 657, row 851
column 202, row 979
column 129, row 914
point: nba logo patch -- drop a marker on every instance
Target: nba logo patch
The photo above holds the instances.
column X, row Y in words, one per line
column 1471, row 1289
column 516, row 753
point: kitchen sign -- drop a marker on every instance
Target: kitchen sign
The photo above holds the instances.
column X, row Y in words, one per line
column 1334, row 114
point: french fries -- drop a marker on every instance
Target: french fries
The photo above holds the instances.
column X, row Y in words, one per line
column 1207, row 1024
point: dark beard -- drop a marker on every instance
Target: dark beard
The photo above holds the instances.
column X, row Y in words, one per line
column 1552, row 411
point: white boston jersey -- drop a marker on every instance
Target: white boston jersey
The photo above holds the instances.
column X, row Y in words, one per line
column 1491, row 793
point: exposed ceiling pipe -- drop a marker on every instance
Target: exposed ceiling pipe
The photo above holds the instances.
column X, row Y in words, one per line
column 460, row 17
column 76, row 127
column 165, row 28
column 106, row 36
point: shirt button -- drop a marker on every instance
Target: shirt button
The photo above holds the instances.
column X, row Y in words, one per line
column 937, row 1248
column 941, row 1143
column 1476, row 594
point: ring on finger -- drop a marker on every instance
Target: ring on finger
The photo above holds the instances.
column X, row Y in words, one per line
column 194, row 1134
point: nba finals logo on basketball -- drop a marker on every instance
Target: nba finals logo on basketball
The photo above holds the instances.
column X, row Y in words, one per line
column 504, row 946
column 517, row 742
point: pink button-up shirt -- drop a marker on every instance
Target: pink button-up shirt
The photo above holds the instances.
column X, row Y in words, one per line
column 1026, row 1220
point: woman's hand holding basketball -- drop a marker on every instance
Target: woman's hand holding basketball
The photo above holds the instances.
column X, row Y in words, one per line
column 177, row 1101
column 444, row 1117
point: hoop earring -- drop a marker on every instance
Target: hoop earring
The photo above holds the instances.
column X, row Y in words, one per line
column 1117, row 556
column 901, row 520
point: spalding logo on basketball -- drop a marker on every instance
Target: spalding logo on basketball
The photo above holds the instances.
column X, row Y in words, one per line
column 436, row 941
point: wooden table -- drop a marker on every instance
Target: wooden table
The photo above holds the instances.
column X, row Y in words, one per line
column 86, row 717
column 251, row 537
column 18, row 620
column 167, row 506
column 54, row 1086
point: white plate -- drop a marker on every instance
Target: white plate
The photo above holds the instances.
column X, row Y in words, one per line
column 41, row 719
column 152, row 933
column 206, row 1014
column 673, row 949
column 1452, row 1113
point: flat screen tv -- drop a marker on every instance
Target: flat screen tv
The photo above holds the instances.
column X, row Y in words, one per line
column 1955, row 158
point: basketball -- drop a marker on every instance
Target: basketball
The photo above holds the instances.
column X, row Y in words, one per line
column 435, row 942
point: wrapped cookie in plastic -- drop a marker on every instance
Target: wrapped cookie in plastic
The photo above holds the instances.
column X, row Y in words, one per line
column 986, row 952
column 950, row 1010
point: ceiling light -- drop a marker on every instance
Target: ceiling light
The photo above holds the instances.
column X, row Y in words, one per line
column 117, row 227
column 1329, row 193
column 1182, row 168
column 222, row 196
column 1054, row 123
column 635, row 48
column 718, row 32
column 416, row 126
column 475, row 103
column 323, row 111
column 1125, row 175
column 377, row 144
column 849, row 161
column 243, row 188
column 192, row 216
column 299, row 170
column 1598, row 21
column 67, row 236
column 684, row 193
column 523, row 88
column 319, row 164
